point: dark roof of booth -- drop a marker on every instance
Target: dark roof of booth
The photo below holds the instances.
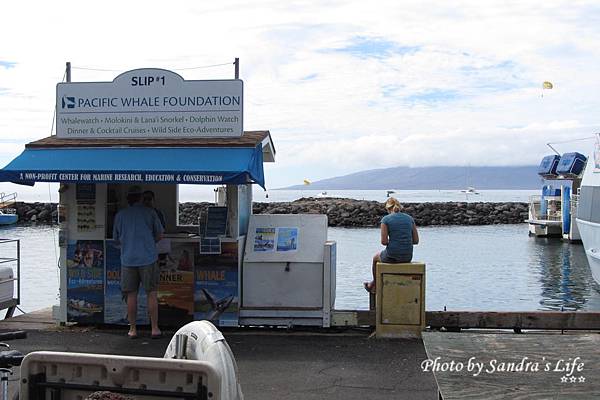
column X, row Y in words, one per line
column 181, row 161
column 248, row 139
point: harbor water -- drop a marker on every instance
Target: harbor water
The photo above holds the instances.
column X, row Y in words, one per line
column 491, row 268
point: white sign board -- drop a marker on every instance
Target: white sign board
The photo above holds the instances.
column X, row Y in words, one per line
column 149, row 103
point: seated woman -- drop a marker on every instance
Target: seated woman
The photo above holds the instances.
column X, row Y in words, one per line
column 398, row 234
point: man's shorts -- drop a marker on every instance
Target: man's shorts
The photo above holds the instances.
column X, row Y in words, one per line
column 147, row 275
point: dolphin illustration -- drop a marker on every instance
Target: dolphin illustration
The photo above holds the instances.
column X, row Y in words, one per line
column 218, row 307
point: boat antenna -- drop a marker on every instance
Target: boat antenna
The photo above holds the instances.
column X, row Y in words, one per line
column 553, row 149
column 569, row 141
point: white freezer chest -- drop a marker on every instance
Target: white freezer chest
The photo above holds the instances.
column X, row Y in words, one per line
column 288, row 273
column 7, row 285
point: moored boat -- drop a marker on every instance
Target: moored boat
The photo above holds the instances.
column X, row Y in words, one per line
column 551, row 213
column 8, row 214
column 588, row 211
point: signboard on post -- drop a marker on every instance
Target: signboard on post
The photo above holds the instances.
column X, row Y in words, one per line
column 149, row 103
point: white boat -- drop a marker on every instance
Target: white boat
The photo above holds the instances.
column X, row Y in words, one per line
column 8, row 215
column 588, row 211
column 322, row 194
column 470, row 190
column 552, row 213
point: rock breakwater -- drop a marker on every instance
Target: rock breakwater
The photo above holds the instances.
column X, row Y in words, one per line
column 340, row 212
column 36, row 212
column 362, row 213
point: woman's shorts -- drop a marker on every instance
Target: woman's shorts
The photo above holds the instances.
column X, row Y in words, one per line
column 394, row 260
column 147, row 275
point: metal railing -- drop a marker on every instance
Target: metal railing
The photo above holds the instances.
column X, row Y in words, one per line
column 534, row 206
column 553, row 212
column 574, row 204
column 7, row 200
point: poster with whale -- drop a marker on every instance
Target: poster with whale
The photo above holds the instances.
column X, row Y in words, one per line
column 216, row 286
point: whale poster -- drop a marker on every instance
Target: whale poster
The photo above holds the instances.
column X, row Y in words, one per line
column 216, row 286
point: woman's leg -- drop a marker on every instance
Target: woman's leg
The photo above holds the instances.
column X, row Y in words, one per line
column 376, row 259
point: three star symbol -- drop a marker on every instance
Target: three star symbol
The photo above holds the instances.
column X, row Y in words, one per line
column 572, row 379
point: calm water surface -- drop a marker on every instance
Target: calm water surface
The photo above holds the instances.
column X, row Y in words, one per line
column 491, row 268
column 468, row 268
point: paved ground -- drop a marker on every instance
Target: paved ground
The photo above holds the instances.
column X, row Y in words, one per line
column 281, row 365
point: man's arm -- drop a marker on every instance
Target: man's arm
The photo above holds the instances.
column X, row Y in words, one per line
column 157, row 228
column 116, row 230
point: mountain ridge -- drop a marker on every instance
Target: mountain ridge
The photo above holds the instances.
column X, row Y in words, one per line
column 433, row 178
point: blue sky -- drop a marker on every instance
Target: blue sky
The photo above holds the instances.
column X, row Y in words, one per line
column 343, row 86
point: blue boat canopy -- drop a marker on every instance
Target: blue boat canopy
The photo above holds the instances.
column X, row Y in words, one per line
column 175, row 165
column 571, row 164
column 548, row 166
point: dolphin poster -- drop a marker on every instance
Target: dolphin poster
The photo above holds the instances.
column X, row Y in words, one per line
column 85, row 292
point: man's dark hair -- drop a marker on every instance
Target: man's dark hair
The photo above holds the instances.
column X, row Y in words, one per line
column 133, row 198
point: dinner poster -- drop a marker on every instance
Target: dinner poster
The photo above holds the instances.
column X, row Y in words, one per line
column 216, row 286
column 85, row 281
column 176, row 288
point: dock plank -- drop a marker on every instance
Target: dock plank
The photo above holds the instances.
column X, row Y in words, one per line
column 545, row 320
column 35, row 320
column 551, row 352
column 567, row 320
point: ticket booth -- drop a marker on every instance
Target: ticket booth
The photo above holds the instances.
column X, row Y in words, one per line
column 165, row 133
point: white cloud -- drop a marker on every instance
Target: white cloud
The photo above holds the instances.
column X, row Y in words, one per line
column 471, row 94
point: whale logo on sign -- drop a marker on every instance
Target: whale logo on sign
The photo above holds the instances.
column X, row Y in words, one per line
column 68, row 102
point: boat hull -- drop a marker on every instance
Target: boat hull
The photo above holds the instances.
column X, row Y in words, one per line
column 590, row 237
column 8, row 219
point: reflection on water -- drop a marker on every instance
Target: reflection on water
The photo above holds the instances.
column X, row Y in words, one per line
column 468, row 268
column 566, row 282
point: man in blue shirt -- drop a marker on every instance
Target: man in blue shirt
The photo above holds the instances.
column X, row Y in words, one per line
column 137, row 229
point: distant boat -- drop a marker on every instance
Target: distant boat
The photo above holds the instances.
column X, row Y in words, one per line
column 322, row 194
column 469, row 190
column 8, row 216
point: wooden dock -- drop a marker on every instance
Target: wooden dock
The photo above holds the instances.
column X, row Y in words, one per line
column 40, row 320
column 450, row 320
column 516, row 320
column 538, row 365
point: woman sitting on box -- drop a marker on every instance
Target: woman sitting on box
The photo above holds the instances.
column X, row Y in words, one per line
column 398, row 234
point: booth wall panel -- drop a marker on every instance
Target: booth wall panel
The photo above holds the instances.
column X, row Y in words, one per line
column 276, row 284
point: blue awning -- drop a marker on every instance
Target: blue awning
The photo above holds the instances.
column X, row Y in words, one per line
column 179, row 165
